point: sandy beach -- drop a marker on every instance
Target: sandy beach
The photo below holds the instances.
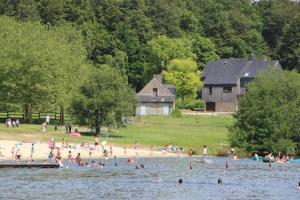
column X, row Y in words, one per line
column 42, row 151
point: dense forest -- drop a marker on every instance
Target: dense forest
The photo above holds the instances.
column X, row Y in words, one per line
column 136, row 38
column 120, row 32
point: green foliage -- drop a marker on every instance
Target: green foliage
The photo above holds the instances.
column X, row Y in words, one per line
column 177, row 113
column 183, row 74
column 38, row 65
column 269, row 114
column 104, row 97
column 199, row 103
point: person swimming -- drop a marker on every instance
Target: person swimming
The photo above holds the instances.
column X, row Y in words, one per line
column 220, row 182
column 180, row 181
column 299, row 185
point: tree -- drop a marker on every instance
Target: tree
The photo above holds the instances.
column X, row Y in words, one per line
column 289, row 47
column 38, row 65
column 104, row 94
column 163, row 49
column 204, row 49
column 268, row 116
column 183, row 74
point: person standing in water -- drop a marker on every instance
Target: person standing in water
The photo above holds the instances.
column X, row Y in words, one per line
column 204, row 152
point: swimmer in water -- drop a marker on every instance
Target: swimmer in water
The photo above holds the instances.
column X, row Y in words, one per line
column 220, row 182
column 298, row 186
column 180, row 181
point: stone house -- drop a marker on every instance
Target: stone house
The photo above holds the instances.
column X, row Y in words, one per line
column 156, row 98
column 225, row 81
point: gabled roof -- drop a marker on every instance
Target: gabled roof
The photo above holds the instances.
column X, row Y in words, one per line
column 229, row 71
column 166, row 92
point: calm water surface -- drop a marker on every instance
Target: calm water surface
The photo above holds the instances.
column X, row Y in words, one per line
column 244, row 179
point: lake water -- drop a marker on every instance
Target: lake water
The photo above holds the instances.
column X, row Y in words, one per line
column 243, row 179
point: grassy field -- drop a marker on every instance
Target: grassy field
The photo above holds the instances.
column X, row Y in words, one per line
column 188, row 131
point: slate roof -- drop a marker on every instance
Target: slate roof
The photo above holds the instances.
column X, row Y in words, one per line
column 229, row 71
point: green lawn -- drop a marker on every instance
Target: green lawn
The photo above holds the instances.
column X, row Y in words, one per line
column 188, row 131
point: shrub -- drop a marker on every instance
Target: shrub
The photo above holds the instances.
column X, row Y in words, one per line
column 177, row 113
column 196, row 104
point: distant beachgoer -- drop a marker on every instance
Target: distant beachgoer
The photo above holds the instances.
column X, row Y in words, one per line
column 90, row 154
column 130, row 160
column 18, row 155
column 136, row 148
column 70, row 157
column 220, row 182
column 44, row 127
column 96, row 141
column 9, row 122
column 13, row 123
column 151, row 150
column 180, row 181
column 190, row 152
column 13, row 152
column 204, row 152
column 125, row 151
column 47, row 120
column 51, row 144
column 110, row 151
column 70, row 127
column 78, row 159
column 67, row 127
column 32, row 150
column 17, row 123
column 58, row 156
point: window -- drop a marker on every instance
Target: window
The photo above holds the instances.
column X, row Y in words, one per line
column 227, row 89
column 155, row 92
column 210, row 90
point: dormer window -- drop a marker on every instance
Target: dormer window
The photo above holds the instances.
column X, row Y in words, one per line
column 155, row 92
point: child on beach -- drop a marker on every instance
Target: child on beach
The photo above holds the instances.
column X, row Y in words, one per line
column 70, row 157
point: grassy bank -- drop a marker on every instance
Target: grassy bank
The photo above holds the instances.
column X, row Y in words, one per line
column 188, row 131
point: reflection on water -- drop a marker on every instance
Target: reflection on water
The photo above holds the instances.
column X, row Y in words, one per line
column 244, row 179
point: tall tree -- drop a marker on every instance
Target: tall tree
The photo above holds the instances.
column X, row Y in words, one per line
column 103, row 94
column 268, row 115
column 184, row 75
column 38, row 65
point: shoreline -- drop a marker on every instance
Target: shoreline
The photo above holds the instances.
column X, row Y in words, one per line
column 42, row 151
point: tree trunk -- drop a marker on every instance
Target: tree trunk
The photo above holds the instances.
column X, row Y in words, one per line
column 27, row 113
column 61, row 116
column 98, row 122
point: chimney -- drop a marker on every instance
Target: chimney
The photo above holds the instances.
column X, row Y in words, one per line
column 158, row 76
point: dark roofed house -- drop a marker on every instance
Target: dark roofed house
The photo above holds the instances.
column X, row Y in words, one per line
column 156, row 98
column 225, row 81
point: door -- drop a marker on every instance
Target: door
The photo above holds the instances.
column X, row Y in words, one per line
column 211, row 106
column 166, row 110
column 143, row 109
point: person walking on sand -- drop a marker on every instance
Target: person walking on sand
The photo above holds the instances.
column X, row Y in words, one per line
column 32, row 151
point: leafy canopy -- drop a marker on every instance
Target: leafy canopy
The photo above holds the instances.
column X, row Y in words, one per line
column 269, row 114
